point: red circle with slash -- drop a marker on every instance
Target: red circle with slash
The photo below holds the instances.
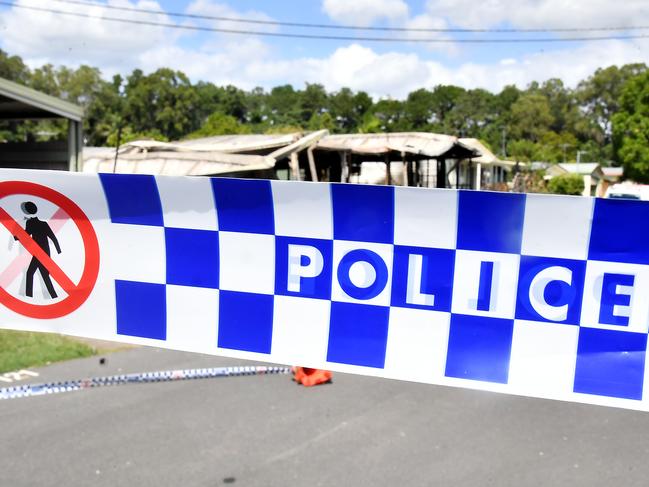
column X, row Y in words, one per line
column 77, row 293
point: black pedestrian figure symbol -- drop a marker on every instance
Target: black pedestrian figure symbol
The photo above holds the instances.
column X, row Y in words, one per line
column 41, row 232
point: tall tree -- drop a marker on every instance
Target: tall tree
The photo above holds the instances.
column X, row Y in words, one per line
column 472, row 112
column 13, row 68
column 233, row 102
column 419, row 109
column 599, row 97
column 531, row 117
column 220, row 124
column 104, row 113
column 631, row 128
column 444, row 99
column 390, row 114
column 282, row 106
column 163, row 100
column 563, row 105
column 348, row 109
column 313, row 100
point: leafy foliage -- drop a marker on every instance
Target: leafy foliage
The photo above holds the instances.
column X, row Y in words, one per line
column 631, row 128
column 220, row 124
column 572, row 184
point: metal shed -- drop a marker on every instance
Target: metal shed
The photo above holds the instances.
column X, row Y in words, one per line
column 17, row 102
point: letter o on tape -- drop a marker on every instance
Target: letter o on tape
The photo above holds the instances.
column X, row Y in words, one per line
column 380, row 270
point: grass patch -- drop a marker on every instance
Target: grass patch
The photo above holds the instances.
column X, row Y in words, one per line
column 19, row 349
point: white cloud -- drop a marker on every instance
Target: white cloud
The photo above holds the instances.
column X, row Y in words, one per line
column 46, row 37
column 427, row 22
column 249, row 61
column 571, row 64
column 365, row 12
column 541, row 13
column 360, row 68
column 226, row 62
column 395, row 74
column 217, row 9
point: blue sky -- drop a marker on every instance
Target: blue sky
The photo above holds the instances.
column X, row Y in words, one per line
column 383, row 69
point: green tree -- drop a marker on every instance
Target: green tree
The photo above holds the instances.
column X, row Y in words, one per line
column 44, row 79
column 209, row 98
column 631, row 128
column 282, row 105
column 419, row 109
column 443, row 101
column 531, row 117
column 472, row 112
column 100, row 99
column 523, row 150
column 321, row 121
column 128, row 135
column 220, row 124
column 13, row 68
column 348, row 109
column 563, row 105
column 370, row 124
column 497, row 132
column 314, row 100
column 599, row 97
column 256, row 107
column 233, row 102
column 104, row 113
column 164, row 101
column 557, row 147
column 390, row 113
column 572, row 184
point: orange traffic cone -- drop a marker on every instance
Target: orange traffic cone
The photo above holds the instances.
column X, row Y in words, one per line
column 311, row 377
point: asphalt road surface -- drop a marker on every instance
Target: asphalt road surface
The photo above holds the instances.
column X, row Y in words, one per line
column 267, row 431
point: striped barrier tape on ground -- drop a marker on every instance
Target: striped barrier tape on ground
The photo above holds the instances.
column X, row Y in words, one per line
column 527, row 294
column 29, row 390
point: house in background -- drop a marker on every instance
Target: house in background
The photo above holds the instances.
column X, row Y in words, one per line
column 612, row 176
column 485, row 171
column 595, row 183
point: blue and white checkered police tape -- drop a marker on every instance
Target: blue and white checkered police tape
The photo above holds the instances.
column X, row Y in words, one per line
column 537, row 295
column 48, row 388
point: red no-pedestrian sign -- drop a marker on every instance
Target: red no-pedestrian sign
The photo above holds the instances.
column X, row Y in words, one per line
column 77, row 292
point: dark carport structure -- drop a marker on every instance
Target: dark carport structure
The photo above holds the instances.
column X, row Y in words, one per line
column 19, row 103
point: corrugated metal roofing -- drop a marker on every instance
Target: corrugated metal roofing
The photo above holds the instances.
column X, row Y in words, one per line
column 199, row 157
column 581, row 168
column 223, row 154
column 166, row 163
column 419, row 143
column 240, row 143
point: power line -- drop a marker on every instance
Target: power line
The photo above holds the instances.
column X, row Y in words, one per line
column 346, row 27
column 327, row 37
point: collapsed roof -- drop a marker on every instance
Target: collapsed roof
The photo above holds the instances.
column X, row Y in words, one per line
column 411, row 145
column 237, row 153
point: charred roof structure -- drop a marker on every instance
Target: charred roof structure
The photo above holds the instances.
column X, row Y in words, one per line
column 413, row 158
